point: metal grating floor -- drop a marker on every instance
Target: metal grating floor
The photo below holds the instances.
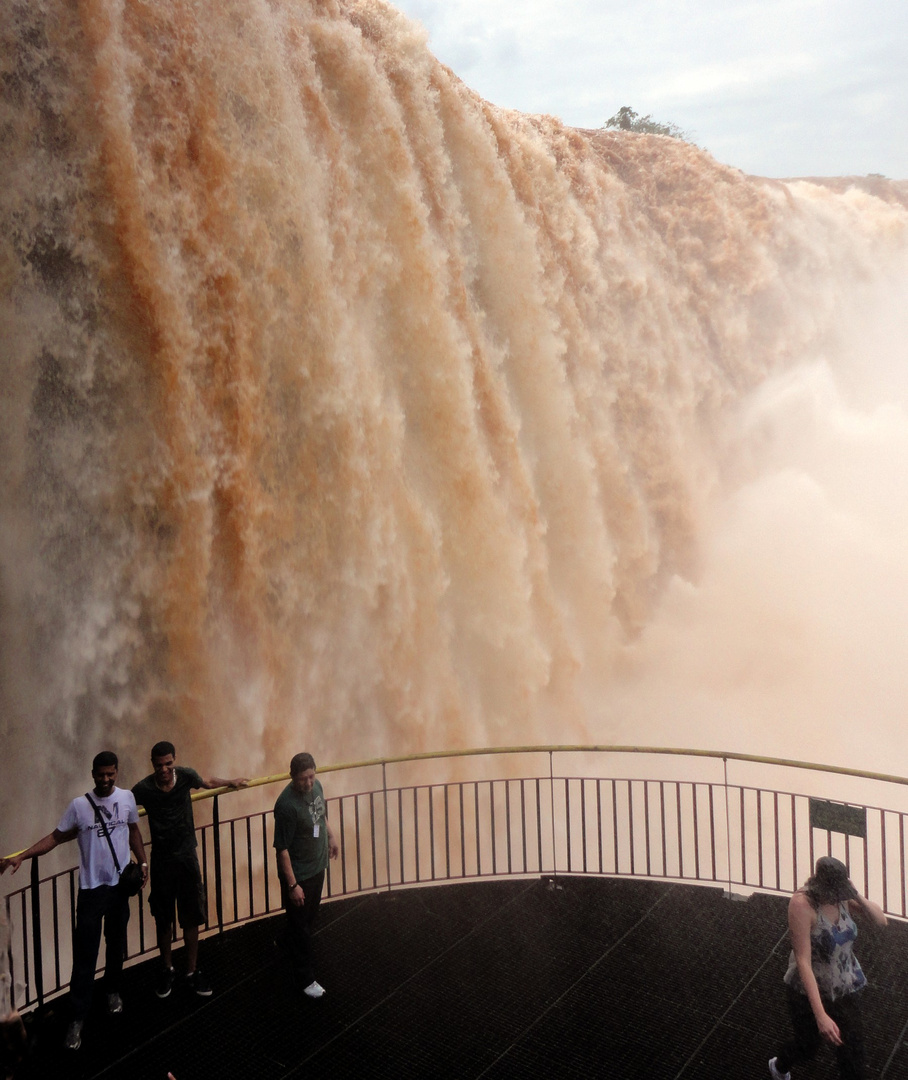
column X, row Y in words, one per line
column 619, row 979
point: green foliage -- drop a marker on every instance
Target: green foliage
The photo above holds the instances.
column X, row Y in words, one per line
column 625, row 119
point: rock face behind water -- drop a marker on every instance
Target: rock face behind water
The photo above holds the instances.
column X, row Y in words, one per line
column 343, row 409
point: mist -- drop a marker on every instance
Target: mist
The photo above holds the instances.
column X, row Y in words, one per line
column 344, row 410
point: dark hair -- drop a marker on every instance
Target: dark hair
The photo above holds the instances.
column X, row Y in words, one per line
column 162, row 749
column 829, row 882
column 300, row 763
column 105, row 758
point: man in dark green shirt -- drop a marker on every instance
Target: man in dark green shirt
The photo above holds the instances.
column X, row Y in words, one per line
column 176, row 879
column 303, row 841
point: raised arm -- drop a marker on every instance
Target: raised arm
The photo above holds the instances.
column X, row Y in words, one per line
column 42, row 847
column 864, row 908
column 800, row 922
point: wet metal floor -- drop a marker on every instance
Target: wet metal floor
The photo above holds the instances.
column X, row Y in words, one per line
column 590, row 977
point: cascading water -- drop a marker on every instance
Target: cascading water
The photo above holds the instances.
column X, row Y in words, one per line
column 344, row 410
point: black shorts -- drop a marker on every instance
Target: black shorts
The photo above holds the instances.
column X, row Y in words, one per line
column 177, row 882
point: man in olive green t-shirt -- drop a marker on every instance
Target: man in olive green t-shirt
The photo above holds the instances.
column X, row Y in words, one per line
column 303, row 841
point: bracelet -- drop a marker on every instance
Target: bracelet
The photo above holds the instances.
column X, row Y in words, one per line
column 144, row 865
column 295, row 885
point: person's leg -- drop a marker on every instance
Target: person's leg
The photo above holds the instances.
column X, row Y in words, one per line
column 312, row 889
column 298, row 936
column 116, row 920
column 312, row 892
column 297, row 940
column 164, row 935
column 191, row 908
column 805, row 1035
column 162, row 904
column 191, row 941
column 86, row 941
column 847, row 1013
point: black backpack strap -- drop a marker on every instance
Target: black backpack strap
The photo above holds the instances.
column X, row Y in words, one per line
column 103, row 825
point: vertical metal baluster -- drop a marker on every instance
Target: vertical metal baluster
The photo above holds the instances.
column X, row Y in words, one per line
column 36, row 933
column 343, row 854
column 492, row 834
column 646, row 832
column 794, row 842
column 56, row 920
column 507, row 823
column 400, row 831
column 249, row 879
column 384, row 787
column 883, row 856
column 630, row 825
column 233, row 877
column 727, row 820
column 266, row 860
column 741, row 796
column 712, row 831
column 463, row 834
column 476, row 821
column 432, row 832
column 552, row 793
column 416, row 833
column 216, row 840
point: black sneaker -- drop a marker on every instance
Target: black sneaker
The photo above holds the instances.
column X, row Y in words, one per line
column 198, row 984
column 165, row 983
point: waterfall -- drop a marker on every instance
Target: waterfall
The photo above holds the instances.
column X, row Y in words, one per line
column 343, row 410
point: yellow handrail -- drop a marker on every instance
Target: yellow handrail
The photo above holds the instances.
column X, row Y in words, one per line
column 720, row 755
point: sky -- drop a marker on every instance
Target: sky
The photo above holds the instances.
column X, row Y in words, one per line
column 776, row 88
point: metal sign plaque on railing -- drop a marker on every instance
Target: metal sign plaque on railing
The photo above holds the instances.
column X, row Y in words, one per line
column 837, row 817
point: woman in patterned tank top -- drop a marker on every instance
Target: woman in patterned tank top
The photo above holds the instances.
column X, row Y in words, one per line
column 824, row 978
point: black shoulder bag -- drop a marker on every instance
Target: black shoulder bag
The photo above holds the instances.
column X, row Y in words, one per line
column 130, row 881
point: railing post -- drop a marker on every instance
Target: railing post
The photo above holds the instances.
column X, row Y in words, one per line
column 384, row 788
column 727, row 823
column 36, row 934
column 6, row 967
column 552, row 797
column 218, row 892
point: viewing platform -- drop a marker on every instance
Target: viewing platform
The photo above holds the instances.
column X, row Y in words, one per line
column 565, row 978
column 553, row 912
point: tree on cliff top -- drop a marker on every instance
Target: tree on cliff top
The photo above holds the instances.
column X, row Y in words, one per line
column 625, row 119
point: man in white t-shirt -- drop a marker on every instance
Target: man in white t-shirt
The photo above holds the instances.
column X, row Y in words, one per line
column 100, row 899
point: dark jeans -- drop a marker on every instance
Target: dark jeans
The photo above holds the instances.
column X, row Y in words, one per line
column 105, row 904
column 846, row 1012
column 298, row 934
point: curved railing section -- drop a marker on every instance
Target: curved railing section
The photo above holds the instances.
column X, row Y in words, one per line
column 706, row 817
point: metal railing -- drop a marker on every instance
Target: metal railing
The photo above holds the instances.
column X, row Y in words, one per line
column 508, row 811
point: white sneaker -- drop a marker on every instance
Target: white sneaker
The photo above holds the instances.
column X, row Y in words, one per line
column 313, row 990
column 774, row 1072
